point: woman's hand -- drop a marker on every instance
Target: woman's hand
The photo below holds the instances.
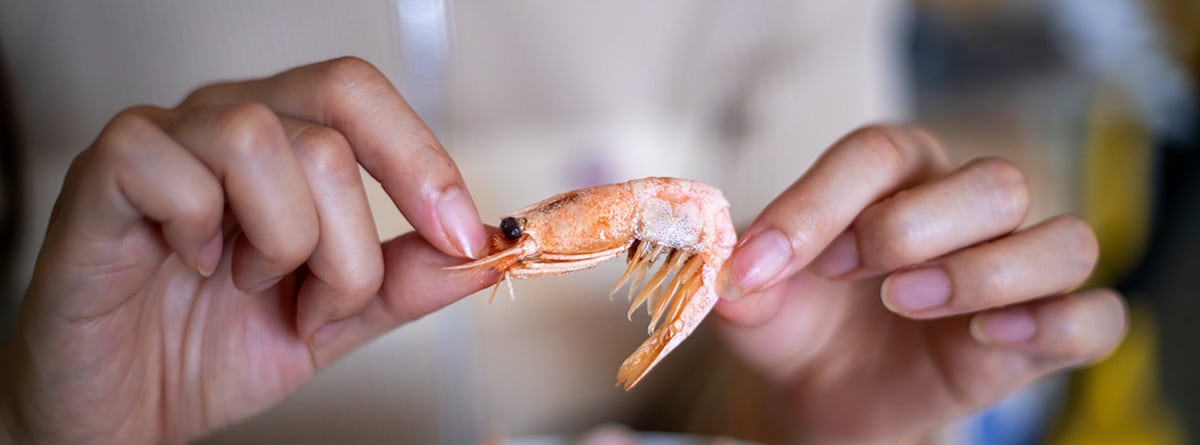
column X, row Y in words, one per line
column 885, row 293
column 204, row 261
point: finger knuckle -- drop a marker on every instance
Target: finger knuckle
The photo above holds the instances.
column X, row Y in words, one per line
column 248, row 129
column 1116, row 316
column 325, row 150
column 120, row 137
column 361, row 280
column 343, row 73
column 288, row 251
column 199, row 207
column 320, row 137
column 932, row 150
column 204, row 96
column 877, row 145
column 892, row 232
column 1086, row 325
column 1005, row 185
column 1075, row 343
column 991, row 281
column 925, row 137
column 982, row 278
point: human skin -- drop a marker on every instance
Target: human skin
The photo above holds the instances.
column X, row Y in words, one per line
column 887, row 292
column 204, row 261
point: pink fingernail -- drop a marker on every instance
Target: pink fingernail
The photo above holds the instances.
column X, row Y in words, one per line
column 917, row 290
column 460, row 222
column 1005, row 327
column 330, row 331
column 210, row 255
column 263, row 285
column 839, row 258
column 759, row 260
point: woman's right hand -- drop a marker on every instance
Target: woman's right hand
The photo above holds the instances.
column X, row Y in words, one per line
column 204, row 261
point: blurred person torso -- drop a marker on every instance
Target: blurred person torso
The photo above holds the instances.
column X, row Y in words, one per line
column 531, row 99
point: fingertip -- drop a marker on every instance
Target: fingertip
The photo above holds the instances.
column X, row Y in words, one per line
column 1063, row 330
column 328, row 332
column 1108, row 321
column 1007, row 327
column 917, row 293
column 309, row 318
column 839, row 258
column 210, row 255
column 725, row 287
column 730, row 311
column 253, row 271
column 757, row 262
column 755, row 310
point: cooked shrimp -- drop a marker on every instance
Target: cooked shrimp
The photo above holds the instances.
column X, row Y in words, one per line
column 686, row 222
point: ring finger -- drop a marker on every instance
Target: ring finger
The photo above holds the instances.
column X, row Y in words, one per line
column 347, row 264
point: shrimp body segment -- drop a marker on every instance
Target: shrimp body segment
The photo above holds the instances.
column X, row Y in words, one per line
column 682, row 221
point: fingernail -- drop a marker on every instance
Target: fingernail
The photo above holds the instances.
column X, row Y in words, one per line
column 264, row 284
column 725, row 288
column 461, row 222
column 839, row 258
column 916, row 290
column 210, row 256
column 330, row 331
column 756, row 262
column 1006, row 327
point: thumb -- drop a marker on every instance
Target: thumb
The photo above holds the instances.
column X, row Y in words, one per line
column 414, row 285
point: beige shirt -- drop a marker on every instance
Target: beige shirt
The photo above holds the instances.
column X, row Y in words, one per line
column 534, row 98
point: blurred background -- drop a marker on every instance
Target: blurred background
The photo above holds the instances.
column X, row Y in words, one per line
column 1096, row 100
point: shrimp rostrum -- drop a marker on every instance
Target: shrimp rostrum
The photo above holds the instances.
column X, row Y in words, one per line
column 684, row 222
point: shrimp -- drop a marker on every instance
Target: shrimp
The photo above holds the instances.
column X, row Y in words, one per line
column 684, row 221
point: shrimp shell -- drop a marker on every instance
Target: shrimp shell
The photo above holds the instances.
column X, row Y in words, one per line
column 684, row 222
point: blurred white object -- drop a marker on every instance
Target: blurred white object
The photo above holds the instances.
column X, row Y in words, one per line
column 1118, row 41
column 423, row 36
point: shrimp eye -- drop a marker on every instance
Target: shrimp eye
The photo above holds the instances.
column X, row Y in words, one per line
column 511, row 228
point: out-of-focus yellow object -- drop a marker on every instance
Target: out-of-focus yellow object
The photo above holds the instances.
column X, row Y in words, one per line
column 1117, row 167
column 1117, row 401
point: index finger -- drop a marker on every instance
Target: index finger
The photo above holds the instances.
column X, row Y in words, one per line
column 388, row 138
column 860, row 169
